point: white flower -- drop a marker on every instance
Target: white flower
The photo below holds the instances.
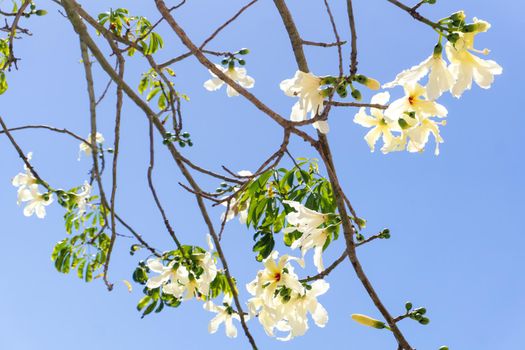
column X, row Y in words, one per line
column 306, row 87
column 236, row 74
column 377, row 121
column 24, row 180
column 225, row 314
column 414, row 101
column 307, row 221
column 85, row 147
column 166, row 273
column 304, row 219
column 419, row 135
column 275, row 275
column 297, row 308
column 82, row 198
column 465, row 66
column 234, row 207
column 439, row 79
column 37, row 201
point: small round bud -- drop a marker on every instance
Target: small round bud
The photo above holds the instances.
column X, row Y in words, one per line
column 458, row 16
column 424, row 321
column 182, row 143
column 185, row 135
column 244, row 51
column 356, row 94
column 444, row 347
column 421, row 310
column 41, row 12
column 242, row 62
column 225, row 61
column 408, row 306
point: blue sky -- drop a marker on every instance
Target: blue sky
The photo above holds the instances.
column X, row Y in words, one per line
column 456, row 219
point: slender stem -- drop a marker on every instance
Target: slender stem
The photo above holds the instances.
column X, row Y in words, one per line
column 353, row 32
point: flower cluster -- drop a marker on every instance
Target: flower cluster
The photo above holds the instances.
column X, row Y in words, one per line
column 408, row 122
column 281, row 302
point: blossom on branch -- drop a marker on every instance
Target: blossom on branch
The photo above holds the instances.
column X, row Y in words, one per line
column 236, row 74
column 281, row 302
column 85, row 146
column 307, row 222
column 415, row 100
column 380, row 125
column 465, row 66
column 82, row 198
column 225, row 314
column 440, row 78
column 307, row 87
column 37, row 202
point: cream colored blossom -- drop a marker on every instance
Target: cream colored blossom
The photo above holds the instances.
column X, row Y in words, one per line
column 439, row 80
column 465, row 66
column 307, row 222
column 414, row 101
column 380, row 126
column 307, row 87
column 37, row 202
column 85, row 147
column 225, row 314
column 236, row 74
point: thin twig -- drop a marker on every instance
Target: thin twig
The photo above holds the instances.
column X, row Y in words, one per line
column 353, row 54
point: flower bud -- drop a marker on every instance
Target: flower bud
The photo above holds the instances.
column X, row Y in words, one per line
column 421, row 310
column 403, row 124
column 242, row 62
column 453, row 38
column 438, row 50
column 41, row 12
column 444, row 347
column 476, row 27
column 329, row 80
column 408, row 306
column 368, row 321
column 424, row 321
column 225, row 61
column 244, row 51
column 356, row 94
column 458, row 16
column 370, row 83
column 327, row 92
